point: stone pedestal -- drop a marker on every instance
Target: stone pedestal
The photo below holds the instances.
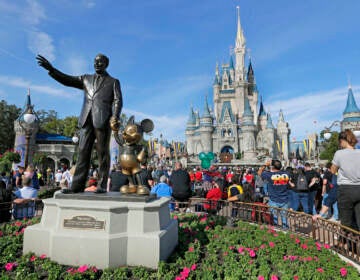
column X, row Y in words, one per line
column 104, row 230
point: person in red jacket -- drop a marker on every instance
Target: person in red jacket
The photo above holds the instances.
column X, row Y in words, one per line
column 214, row 194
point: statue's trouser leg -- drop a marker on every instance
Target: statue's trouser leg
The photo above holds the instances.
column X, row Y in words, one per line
column 86, row 142
column 103, row 152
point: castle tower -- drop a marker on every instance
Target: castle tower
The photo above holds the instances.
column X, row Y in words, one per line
column 20, row 134
column 283, row 133
column 351, row 114
column 206, row 128
column 190, row 130
column 248, row 130
column 270, row 136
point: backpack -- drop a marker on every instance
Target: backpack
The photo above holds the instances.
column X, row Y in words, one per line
column 302, row 183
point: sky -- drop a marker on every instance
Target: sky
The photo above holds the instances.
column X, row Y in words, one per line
column 305, row 54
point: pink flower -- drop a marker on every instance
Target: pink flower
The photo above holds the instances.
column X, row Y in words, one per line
column 252, row 253
column 326, row 246
column 179, row 278
column 32, row 258
column 185, row 272
column 191, row 249
column 43, row 256
column 285, row 258
column 276, row 235
column 207, row 228
column 343, row 271
column 175, row 217
column 193, row 267
column 274, row 277
column 320, row 270
column 1, row 233
column 304, row 246
column 203, row 219
column 231, row 247
column 260, row 277
column 271, row 244
column 262, row 246
column 297, row 240
column 83, row 268
column 10, row 266
column 296, row 277
column 71, row 270
column 18, row 224
column 241, row 249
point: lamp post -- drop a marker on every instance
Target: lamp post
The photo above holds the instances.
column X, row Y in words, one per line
column 327, row 133
column 26, row 120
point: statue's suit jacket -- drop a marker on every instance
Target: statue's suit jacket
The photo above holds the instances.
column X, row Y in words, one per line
column 102, row 99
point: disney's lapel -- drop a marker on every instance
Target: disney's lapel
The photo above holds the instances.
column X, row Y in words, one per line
column 102, row 83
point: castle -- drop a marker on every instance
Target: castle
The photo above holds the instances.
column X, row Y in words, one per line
column 238, row 124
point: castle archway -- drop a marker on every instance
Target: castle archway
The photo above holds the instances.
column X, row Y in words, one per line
column 227, row 149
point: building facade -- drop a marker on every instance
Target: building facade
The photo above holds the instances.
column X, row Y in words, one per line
column 238, row 123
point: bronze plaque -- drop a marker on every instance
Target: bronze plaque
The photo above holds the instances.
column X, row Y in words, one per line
column 84, row 222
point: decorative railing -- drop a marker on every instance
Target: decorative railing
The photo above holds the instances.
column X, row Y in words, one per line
column 343, row 240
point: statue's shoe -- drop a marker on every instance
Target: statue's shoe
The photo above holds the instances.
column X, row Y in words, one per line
column 128, row 189
column 142, row 190
column 100, row 190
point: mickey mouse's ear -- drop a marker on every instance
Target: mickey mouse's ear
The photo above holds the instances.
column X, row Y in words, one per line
column 131, row 120
column 147, row 125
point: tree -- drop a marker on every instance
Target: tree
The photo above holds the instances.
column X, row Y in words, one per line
column 49, row 122
column 330, row 146
column 70, row 126
column 7, row 159
column 8, row 114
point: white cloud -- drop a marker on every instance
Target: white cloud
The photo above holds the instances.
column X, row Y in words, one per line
column 33, row 13
column 41, row 43
column 312, row 112
column 25, row 84
column 171, row 127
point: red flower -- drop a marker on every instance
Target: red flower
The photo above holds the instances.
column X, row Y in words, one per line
column 320, row 270
column 260, row 277
column 71, row 270
column 274, row 277
column 272, row 244
column 296, row 277
column 304, row 246
column 1, row 233
column 175, row 217
column 185, row 272
column 18, row 224
column 193, row 267
column 297, row 240
column 43, row 256
column 191, row 249
column 326, row 246
column 343, row 271
column 32, row 258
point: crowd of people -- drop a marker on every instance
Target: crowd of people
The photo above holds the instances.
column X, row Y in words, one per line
column 331, row 191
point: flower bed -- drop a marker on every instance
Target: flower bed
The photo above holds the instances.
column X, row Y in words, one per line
column 207, row 250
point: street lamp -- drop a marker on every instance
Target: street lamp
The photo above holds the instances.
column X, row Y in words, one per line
column 26, row 120
column 327, row 133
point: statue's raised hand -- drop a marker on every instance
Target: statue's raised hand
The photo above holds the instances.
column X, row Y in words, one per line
column 43, row 62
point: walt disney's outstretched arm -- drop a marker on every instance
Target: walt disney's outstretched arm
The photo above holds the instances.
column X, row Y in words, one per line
column 66, row 80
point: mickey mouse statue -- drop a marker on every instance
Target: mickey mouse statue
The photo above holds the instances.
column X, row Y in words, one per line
column 132, row 154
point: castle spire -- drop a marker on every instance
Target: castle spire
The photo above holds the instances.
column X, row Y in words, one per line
column 351, row 106
column 261, row 110
column 239, row 51
column 206, row 109
column 240, row 38
column 281, row 116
